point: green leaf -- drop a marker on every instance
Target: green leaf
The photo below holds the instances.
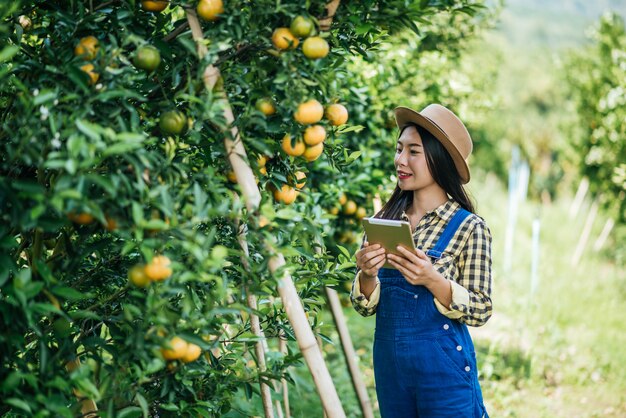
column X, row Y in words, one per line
column 91, row 130
column 142, row 403
column 130, row 412
column 18, row 403
column 8, row 53
column 69, row 293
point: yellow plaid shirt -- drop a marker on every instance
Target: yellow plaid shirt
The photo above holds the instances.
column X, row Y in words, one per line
column 466, row 262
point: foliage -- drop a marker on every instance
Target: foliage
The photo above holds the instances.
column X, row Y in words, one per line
column 91, row 186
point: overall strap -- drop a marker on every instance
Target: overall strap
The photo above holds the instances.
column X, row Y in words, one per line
column 447, row 234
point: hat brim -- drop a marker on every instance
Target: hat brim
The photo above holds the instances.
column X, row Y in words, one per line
column 405, row 116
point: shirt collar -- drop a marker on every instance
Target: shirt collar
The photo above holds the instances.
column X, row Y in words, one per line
column 444, row 211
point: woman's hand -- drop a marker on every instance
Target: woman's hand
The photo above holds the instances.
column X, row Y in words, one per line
column 370, row 259
column 415, row 266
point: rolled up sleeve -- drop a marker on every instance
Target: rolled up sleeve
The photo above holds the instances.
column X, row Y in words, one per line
column 363, row 305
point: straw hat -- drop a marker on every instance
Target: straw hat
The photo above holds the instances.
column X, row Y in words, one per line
column 446, row 127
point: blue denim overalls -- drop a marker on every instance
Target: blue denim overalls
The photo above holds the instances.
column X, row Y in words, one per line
column 424, row 362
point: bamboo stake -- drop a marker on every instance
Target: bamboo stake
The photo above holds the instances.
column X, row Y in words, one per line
column 608, row 226
column 349, row 353
column 88, row 407
column 266, row 396
column 286, row 288
column 327, row 20
column 584, row 236
column 583, row 187
column 282, row 347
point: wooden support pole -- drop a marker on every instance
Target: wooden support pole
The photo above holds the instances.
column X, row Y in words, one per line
column 583, row 187
column 608, row 227
column 584, row 236
column 349, row 353
column 331, row 9
column 88, row 407
column 282, row 347
column 286, row 288
column 266, row 395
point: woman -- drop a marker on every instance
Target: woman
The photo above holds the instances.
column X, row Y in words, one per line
column 424, row 360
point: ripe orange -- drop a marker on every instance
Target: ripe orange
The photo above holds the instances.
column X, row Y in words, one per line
column 334, row 210
column 89, row 70
column 193, row 352
column 87, row 48
column 294, row 151
column 265, row 106
column 350, row 207
column 315, row 134
column 173, row 122
column 262, row 160
column 282, row 38
column 137, row 276
column 309, row 112
column 147, row 58
column 176, row 349
column 314, row 152
column 315, row 47
column 343, row 199
column 300, row 176
column 111, row 223
column 210, row 9
column 80, row 218
column 154, row 5
column 159, row 268
column 263, row 170
column 301, row 26
column 360, row 213
column 337, row 114
column 286, row 194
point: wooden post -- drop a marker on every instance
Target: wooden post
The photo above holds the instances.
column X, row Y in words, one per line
column 331, row 9
column 282, row 347
column 608, row 226
column 286, row 288
column 349, row 353
column 535, row 252
column 583, row 187
column 584, row 236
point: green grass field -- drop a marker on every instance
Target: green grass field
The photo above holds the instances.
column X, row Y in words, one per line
column 557, row 354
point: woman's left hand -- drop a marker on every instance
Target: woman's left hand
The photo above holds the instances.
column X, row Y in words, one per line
column 415, row 266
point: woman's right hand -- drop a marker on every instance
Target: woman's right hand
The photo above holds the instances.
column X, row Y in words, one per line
column 370, row 259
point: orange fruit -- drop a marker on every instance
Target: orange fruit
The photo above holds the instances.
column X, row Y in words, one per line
column 315, row 134
column 350, row 207
column 337, row 114
column 263, row 170
column 193, row 352
column 301, row 26
column 286, row 194
column 137, row 276
column 315, row 47
column 294, row 151
column 314, row 152
column 343, row 199
column 159, row 268
column 309, row 112
column 87, row 48
column 111, row 224
column 334, row 210
column 282, row 38
column 265, row 106
column 80, row 218
column 210, row 9
column 300, row 176
column 261, row 160
column 175, row 349
column 232, row 177
column 89, row 69
column 147, row 58
column 360, row 213
column 173, row 122
column 154, row 5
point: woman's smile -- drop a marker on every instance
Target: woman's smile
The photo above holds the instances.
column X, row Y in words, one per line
column 403, row 175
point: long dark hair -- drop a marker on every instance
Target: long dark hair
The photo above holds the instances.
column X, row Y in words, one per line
column 444, row 172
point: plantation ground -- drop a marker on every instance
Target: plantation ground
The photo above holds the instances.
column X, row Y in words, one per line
column 557, row 355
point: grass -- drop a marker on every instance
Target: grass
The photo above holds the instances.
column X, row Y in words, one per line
column 558, row 353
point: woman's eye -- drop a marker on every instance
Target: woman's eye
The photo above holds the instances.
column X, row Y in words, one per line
column 414, row 152
column 398, row 150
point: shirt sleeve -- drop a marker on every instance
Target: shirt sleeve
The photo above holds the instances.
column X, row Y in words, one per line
column 471, row 292
column 364, row 306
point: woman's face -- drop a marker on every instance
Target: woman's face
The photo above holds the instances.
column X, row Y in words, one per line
column 410, row 162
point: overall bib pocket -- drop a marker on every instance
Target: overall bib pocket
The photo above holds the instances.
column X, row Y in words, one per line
column 397, row 303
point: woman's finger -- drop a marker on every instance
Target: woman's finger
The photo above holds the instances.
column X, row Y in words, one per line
column 410, row 255
column 375, row 260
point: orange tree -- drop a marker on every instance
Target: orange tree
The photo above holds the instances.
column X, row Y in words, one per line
column 597, row 82
column 121, row 278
